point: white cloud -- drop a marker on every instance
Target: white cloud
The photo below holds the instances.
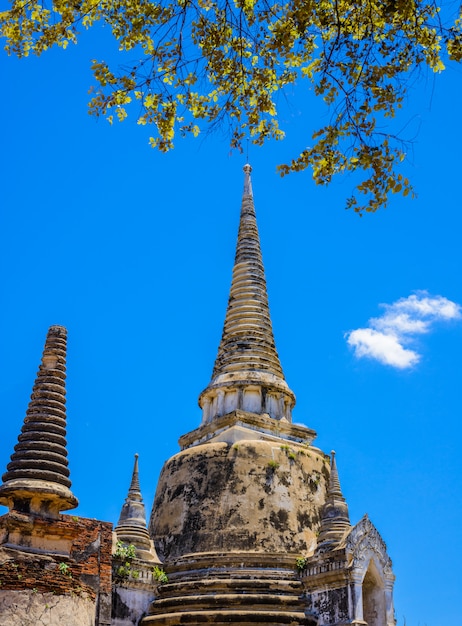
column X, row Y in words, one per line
column 382, row 347
column 422, row 305
column 401, row 323
column 387, row 337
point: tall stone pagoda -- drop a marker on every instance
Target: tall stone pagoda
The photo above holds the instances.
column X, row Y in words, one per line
column 249, row 519
column 249, row 524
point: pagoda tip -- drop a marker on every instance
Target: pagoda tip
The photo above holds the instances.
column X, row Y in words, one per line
column 57, row 328
column 247, row 182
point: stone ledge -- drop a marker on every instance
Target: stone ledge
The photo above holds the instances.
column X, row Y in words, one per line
column 243, row 618
column 257, row 427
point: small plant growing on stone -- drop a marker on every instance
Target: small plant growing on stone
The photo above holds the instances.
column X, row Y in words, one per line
column 159, row 575
column 65, row 570
column 273, row 465
column 124, row 551
column 314, row 483
column 300, row 563
column 289, row 452
column 123, row 571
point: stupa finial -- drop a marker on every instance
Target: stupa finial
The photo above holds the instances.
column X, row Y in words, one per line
column 247, row 180
column 334, row 482
column 135, row 490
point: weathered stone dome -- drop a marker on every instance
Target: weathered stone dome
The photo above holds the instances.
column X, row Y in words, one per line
column 260, row 496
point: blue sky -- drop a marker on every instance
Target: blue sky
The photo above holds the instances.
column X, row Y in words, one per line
column 132, row 250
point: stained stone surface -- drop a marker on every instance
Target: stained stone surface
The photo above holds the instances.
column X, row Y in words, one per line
column 262, row 496
column 45, row 609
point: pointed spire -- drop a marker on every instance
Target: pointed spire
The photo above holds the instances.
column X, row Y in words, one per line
column 247, row 356
column 248, row 342
column 335, row 519
column 334, row 490
column 37, row 477
column 131, row 528
column 134, row 491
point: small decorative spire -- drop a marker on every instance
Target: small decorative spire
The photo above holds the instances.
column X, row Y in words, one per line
column 334, row 483
column 131, row 528
column 247, row 356
column 37, row 477
column 135, row 492
column 335, row 519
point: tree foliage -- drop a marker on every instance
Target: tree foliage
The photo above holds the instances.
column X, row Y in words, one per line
column 204, row 63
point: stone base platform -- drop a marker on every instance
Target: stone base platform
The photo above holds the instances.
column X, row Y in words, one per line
column 239, row 588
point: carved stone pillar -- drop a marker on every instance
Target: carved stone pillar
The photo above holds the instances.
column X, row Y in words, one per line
column 389, row 608
column 358, row 600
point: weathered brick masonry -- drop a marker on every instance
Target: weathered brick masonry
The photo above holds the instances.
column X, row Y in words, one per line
column 87, row 568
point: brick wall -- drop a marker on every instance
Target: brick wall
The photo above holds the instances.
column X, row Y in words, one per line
column 86, row 568
column 92, row 551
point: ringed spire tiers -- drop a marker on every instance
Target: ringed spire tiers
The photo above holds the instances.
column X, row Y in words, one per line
column 37, row 477
column 335, row 519
column 247, row 374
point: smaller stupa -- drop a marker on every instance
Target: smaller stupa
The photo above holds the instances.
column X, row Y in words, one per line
column 131, row 528
column 335, row 520
column 37, row 477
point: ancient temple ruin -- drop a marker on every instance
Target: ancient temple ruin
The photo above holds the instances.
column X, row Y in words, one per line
column 249, row 524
